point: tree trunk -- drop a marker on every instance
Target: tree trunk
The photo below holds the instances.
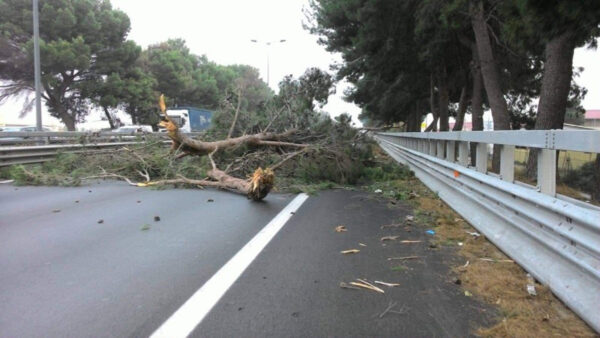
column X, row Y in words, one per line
column 433, row 125
column 109, row 117
column 489, row 69
column 556, row 83
column 462, row 108
column 596, row 187
column 476, row 101
column 412, row 120
column 443, row 99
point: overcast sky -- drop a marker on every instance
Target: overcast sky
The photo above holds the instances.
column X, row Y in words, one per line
column 222, row 30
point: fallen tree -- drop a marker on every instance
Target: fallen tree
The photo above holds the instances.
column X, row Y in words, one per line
column 242, row 152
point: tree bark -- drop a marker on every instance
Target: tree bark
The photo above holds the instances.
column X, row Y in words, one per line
column 443, row 99
column 596, row 187
column 462, row 108
column 111, row 122
column 433, row 125
column 489, row 69
column 476, row 101
column 556, row 84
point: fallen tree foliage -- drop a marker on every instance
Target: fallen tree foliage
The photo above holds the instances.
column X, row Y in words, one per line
column 243, row 152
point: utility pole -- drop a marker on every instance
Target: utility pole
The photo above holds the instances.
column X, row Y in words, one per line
column 268, row 44
column 36, row 66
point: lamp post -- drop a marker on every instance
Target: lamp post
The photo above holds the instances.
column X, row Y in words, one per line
column 36, row 66
column 268, row 44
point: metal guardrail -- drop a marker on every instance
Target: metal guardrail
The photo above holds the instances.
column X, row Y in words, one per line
column 553, row 237
column 37, row 147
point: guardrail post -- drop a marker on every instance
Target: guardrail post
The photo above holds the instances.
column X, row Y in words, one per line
column 507, row 163
column 463, row 153
column 431, row 147
column 481, row 157
column 450, row 151
column 440, row 149
column 546, row 171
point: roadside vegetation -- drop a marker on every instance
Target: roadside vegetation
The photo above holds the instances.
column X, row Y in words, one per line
column 483, row 271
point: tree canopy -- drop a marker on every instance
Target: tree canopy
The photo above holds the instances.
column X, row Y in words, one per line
column 409, row 58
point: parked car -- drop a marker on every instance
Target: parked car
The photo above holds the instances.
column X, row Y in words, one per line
column 133, row 129
column 14, row 139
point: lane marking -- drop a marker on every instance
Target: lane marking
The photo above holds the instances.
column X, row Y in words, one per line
column 192, row 312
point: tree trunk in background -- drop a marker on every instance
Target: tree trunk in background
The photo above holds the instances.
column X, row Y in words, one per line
column 476, row 101
column 556, row 83
column 489, row 69
column 596, row 187
column 443, row 99
column 491, row 76
column 109, row 117
column 433, row 125
column 462, row 108
column 412, row 120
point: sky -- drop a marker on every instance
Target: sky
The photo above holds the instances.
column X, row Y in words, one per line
column 223, row 29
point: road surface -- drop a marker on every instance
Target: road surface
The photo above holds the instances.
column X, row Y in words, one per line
column 94, row 262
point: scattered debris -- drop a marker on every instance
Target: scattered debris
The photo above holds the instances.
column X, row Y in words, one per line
column 403, row 310
column 361, row 244
column 433, row 246
column 366, row 285
column 409, row 242
column 56, row 210
column 460, row 243
column 413, row 194
column 430, row 232
column 531, row 286
column 346, row 286
column 77, row 201
column 403, row 258
column 468, row 294
column 466, row 264
column 351, row 251
column 474, row 233
column 394, row 225
column 156, row 218
column 210, row 200
column 459, row 220
column 340, row 228
column 400, row 268
column 145, row 227
column 100, row 221
column 497, row 260
column 6, row 181
column 378, row 191
column 391, row 285
column 457, row 281
column 389, row 238
column 409, row 218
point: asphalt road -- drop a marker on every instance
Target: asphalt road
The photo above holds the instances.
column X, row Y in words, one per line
column 64, row 274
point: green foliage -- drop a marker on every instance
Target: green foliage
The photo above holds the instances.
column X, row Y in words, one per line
column 80, row 40
column 583, row 178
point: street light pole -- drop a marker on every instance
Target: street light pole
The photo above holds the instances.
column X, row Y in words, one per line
column 36, row 66
column 268, row 44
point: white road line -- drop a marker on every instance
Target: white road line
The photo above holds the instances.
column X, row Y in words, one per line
column 193, row 311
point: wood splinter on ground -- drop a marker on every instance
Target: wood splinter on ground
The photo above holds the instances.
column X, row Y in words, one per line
column 389, row 238
column 391, row 285
column 351, row 251
column 340, row 228
column 403, row 258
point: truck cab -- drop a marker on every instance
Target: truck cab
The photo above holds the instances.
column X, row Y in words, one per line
column 190, row 119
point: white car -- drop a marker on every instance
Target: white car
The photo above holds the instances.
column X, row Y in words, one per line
column 134, row 129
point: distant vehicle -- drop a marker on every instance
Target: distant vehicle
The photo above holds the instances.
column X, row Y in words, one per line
column 133, row 129
column 13, row 139
column 190, row 119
